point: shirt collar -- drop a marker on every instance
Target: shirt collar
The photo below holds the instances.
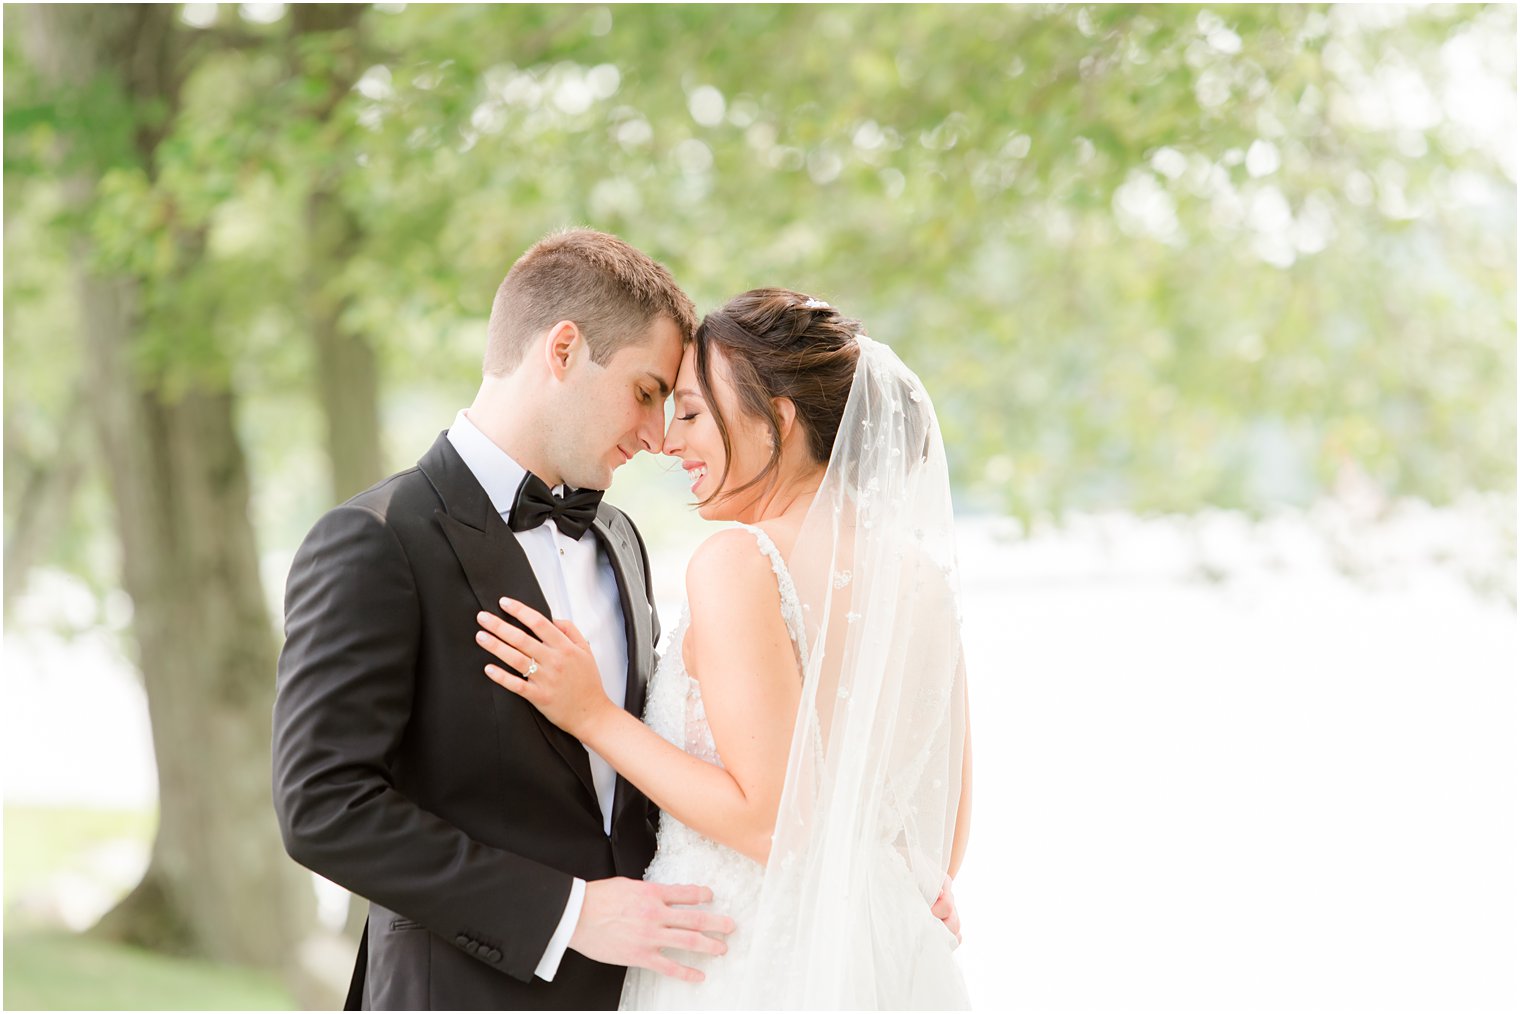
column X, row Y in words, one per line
column 492, row 467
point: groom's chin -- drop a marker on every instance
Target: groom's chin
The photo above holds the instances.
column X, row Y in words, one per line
column 602, row 482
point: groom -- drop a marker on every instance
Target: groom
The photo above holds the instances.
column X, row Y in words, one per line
column 500, row 857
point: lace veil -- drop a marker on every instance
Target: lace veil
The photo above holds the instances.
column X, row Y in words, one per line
column 867, row 816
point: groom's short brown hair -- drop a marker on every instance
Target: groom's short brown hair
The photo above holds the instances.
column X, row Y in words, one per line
column 612, row 291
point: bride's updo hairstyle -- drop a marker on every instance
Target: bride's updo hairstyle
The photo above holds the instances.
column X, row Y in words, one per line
column 779, row 344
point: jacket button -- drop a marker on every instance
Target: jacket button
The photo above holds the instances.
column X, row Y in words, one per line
column 473, row 946
column 461, row 940
column 494, row 956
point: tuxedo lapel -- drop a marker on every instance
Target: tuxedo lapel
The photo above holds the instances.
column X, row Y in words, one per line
column 494, row 565
column 636, row 624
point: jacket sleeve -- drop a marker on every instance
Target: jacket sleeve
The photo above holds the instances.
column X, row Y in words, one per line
column 342, row 702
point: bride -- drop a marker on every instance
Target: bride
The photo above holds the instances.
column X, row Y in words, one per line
column 806, row 726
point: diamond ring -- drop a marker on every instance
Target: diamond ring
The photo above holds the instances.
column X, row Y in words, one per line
column 532, row 668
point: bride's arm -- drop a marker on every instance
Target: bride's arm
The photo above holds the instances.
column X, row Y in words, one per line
column 944, row 905
column 738, row 644
column 963, row 809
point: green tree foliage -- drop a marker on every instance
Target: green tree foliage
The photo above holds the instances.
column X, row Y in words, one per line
column 1148, row 257
column 1152, row 258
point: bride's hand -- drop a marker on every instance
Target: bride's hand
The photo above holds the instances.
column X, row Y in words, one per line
column 944, row 910
column 565, row 683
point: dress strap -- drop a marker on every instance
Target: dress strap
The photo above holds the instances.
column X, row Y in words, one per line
column 791, row 606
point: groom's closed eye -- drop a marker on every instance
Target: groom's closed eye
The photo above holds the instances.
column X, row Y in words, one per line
column 657, row 382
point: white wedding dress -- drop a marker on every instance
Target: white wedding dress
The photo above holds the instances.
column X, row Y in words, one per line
column 895, row 914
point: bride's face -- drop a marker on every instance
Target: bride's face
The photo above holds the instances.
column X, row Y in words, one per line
column 694, row 438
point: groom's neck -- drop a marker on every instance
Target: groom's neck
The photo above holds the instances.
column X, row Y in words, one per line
column 510, row 418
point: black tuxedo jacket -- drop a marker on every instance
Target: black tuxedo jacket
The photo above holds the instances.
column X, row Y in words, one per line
column 404, row 774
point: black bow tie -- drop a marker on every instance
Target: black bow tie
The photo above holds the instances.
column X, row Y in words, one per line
column 535, row 504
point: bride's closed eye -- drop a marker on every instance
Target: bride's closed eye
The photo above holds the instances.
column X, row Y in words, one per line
column 687, row 418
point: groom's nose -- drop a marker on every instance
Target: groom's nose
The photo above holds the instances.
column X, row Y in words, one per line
column 652, row 431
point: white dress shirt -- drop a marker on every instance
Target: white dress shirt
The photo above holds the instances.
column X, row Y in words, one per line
column 579, row 585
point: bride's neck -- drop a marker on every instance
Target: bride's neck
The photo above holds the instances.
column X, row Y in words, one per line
column 790, row 498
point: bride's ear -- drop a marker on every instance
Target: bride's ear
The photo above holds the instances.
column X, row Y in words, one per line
column 786, row 412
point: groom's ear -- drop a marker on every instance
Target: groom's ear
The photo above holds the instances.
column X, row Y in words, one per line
column 562, row 345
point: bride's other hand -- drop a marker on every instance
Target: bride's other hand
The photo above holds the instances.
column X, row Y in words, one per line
column 944, row 910
column 566, row 685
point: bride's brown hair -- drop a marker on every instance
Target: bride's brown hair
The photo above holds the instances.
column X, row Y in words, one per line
column 779, row 344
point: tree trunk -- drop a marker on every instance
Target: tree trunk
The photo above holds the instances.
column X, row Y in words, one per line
column 347, row 374
column 348, row 381
column 218, row 883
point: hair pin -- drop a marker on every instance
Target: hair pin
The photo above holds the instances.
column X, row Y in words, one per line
column 815, row 304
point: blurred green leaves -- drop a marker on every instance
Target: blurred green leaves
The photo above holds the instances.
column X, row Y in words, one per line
column 1144, row 257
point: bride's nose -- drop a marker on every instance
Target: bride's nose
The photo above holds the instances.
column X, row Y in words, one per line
column 672, row 444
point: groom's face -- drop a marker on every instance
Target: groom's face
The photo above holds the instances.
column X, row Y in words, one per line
column 612, row 412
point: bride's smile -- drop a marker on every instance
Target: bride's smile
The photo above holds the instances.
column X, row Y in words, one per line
column 747, row 455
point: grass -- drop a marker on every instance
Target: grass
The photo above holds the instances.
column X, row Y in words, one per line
column 61, row 971
column 49, row 968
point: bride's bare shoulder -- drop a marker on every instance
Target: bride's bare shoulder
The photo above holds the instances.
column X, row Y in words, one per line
column 734, row 605
column 729, row 574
